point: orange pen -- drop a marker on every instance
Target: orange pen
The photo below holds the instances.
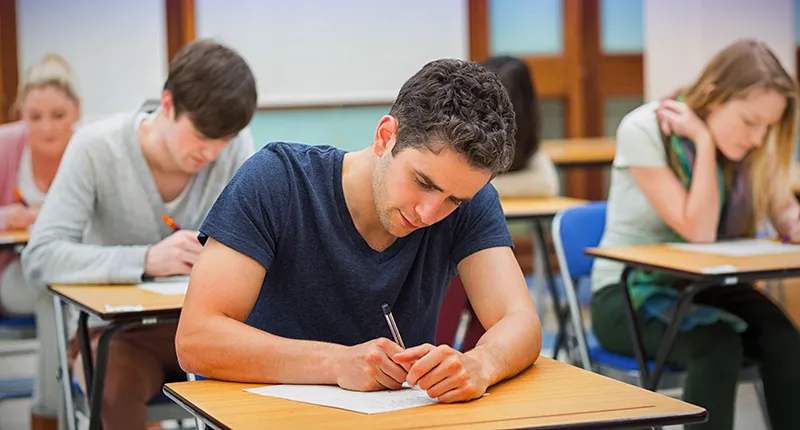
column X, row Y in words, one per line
column 20, row 199
column 170, row 222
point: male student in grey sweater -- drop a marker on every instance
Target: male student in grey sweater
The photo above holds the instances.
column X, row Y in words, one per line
column 102, row 221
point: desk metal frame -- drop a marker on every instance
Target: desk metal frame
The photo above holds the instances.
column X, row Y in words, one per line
column 95, row 374
column 698, row 284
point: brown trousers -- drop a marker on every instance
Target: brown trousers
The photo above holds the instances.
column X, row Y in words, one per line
column 139, row 362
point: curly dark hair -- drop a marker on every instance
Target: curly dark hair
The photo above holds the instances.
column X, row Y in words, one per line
column 459, row 105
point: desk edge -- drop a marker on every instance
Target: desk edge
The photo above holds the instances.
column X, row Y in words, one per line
column 191, row 408
column 742, row 276
column 624, row 423
column 118, row 316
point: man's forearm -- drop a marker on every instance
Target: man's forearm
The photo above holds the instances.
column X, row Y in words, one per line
column 509, row 346
column 226, row 349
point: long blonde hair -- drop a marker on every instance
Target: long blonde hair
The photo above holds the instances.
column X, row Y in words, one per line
column 734, row 73
column 50, row 70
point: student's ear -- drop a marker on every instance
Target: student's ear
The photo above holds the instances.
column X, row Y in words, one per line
column 167, row 106
column 385, row 135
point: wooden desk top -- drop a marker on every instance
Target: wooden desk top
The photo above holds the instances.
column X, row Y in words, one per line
column 516, row 208
column 548, row 394
column 94, row 298
column 697, row 265
column 14, row 237
column 580, row 152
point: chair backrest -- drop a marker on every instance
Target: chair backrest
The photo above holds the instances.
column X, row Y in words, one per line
column 574, row 230
column 454, row 305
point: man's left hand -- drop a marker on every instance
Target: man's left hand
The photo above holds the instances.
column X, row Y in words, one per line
column 444, row 373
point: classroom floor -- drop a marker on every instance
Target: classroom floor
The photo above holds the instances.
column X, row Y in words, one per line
column 15, row 415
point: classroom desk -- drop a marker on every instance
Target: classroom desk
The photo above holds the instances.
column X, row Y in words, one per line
column 540, row 210
column 92, row 300
column 549, row 395
column 701, row 271
column 11, row 239
column 580, row 152
column 536, row 209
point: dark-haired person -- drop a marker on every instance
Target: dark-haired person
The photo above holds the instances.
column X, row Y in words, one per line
column 102, row 222
column 310, row 241
column 531, row 173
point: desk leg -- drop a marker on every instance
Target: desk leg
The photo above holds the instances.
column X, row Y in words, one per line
column 633, row 328
column 650, row 381
column 550, row 280
column 64, row 371
column 668, row 342
column 96, row 392
column 84, row 343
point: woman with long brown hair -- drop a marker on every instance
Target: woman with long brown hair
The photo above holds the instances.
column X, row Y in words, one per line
column 532, row 173
column 710, row 162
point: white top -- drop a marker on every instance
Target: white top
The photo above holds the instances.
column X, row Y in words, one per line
column 630, row 218
column 25, row 182
column 538, row 179
column 16, row 296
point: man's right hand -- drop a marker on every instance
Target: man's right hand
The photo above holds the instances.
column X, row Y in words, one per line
column 174, row 255
column 369, row 367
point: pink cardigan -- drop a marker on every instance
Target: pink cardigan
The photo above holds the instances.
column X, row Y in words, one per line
column 13, row 138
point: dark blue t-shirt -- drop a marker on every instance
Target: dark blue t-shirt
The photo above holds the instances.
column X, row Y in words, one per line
column 285, row 208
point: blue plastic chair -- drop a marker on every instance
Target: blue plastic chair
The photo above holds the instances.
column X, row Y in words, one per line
column 574, row 230
column 17, row 328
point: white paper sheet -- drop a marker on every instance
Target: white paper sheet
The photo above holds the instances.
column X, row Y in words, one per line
column 372, row 402
column 166, row 288
column 124, row 308
column 739, row 248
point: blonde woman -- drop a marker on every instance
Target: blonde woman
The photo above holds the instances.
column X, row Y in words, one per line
column 30, row 152
column 707, row 164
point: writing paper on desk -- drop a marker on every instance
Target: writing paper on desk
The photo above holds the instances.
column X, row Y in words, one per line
column 166, row 288
column 738, row 248
column 372, row 402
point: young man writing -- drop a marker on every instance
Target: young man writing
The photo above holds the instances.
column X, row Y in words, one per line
column 103, row 221
column 306, row 244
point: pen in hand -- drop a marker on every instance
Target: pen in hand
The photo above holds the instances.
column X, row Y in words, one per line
column 387, row 313
column 170, row 222
column 20, row 199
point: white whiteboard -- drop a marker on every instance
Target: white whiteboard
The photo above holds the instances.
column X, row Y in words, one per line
column 674, row 58
column 305, row 52
column 117, row 48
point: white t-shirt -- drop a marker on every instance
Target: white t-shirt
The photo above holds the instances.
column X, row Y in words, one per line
column 25, row 181
column 539, row 178
column 16, row 297
column 630, row 218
